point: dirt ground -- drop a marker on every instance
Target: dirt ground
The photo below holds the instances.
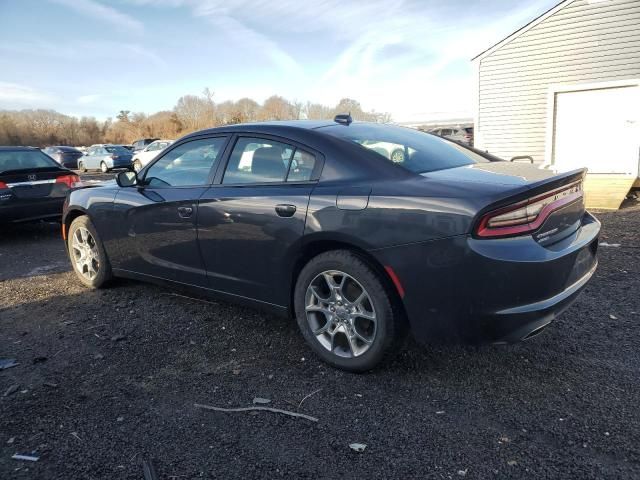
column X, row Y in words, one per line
column 107, row 379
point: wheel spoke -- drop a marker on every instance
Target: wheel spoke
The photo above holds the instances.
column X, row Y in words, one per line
column 366, row 315
column 323, row 329
column 352, row 345
column 360, row 337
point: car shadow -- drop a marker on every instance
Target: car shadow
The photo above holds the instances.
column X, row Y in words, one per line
column 29, row 249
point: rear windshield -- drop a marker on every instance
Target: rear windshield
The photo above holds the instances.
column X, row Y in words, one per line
column 68, row 149
column 25, row 160
column 117, row 149
column 412, row 149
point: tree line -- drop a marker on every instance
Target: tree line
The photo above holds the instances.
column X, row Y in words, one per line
column 42, row 128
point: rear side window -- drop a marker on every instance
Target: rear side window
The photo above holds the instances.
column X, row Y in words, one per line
column 188, row 164
column 257, row 160
column 118, row 149
column 412, row 149
column 25, row 160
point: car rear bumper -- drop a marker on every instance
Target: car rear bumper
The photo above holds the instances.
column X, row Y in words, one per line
column 26, row 210
column 491, row 290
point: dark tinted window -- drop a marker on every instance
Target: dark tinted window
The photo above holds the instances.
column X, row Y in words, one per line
column 25, row 160
column 257, row 160
column 117, row 149
column 412, row 149
column 67, row 149
column 188, row 164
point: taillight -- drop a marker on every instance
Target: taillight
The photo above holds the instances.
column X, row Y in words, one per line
column 3, row 185
column 69, row 180
column 527, row 216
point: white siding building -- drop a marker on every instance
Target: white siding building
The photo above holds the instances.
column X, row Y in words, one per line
column 565, row 90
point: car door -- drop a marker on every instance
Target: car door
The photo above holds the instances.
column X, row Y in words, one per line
column 251, row 218
column 89, row 160
column 159, row 215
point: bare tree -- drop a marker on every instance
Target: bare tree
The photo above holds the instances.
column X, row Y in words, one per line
column 47, row 127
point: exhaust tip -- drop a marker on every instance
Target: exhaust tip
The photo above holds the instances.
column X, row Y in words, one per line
column 535, row 332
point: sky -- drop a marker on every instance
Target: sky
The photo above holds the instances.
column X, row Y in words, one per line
column 97, row 57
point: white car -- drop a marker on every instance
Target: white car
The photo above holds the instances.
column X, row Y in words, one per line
column 144, row 156
column 392, row 151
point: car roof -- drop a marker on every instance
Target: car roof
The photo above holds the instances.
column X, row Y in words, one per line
column 271, row 127
column 17, row 149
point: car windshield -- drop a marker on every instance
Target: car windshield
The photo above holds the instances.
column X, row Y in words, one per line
column 25, row 160
column 116, row 149
column 412, row 149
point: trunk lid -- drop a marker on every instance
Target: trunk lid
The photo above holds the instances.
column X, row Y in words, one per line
column 504, row 184
column 35, row 183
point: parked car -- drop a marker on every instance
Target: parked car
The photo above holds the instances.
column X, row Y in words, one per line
column 65, row 156
column 358, row 248
column 459, row 134
column 144, row 156
column 105, row 158
column 32, row 185
column 143, row 142
column 392, row 151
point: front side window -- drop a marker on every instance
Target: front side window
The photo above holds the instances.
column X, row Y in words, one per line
column 412, row 149
column 188, row 164
column 258, row 160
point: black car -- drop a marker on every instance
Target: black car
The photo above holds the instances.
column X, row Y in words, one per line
column 32, row 185
column 315, row 220
column 65, row 156
column 140, row 144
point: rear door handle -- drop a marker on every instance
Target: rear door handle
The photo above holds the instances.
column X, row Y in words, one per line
column 284, row 210
column 185, row 212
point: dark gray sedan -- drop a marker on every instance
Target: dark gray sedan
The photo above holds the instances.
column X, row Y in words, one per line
column 317, row 221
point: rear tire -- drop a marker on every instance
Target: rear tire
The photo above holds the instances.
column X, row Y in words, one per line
column 87, row 254
column 103, row 167
column 345, row 312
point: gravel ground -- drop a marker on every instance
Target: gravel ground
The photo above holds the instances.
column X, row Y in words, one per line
column 107, row 379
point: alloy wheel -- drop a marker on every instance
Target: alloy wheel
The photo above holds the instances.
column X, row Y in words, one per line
column 85, row 253
column 397, row 156
column 340, row 313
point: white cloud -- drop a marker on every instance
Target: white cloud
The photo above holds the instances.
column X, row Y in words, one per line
column 401, row 56
column 86, row 51
column 98, row 11
column 88, row 99
column 12, row 94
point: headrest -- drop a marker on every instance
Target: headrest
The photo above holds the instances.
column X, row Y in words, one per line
column 267, row 163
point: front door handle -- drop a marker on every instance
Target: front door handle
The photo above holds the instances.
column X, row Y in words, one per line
column 284, row 210
column 185, row 212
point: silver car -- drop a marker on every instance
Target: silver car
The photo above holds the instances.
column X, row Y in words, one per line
column 105, row 158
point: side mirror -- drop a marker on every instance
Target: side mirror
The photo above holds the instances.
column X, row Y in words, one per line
column 127, row 179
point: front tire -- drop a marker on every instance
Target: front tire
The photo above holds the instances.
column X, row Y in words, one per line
column 103, row 167
column 88, row 256
column 345, row 312
column 81, row 167
column 137, row 166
